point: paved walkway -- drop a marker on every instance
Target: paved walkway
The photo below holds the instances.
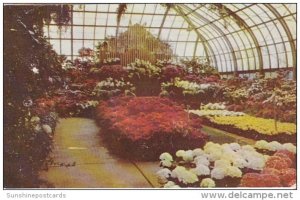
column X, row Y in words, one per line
column 81, row 160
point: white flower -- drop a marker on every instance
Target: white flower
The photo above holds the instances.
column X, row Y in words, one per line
column 163, row 175
column 201, row 170
column 290, row 147
column 233, row 172
column 35, row 119
column 256, row 163
column 178, row 169
column 261, row 144
column 227, row 149
column 212, row 147
column 275, row 146
column 37, row 128
column 218, row 173
column 166, row 163
column 207, row 183
column 180, row 153
column 185, row 155
column 35, row 70
column 188, row 156
column 166, row 159
column 230, row 156
column 239, row 162
column 222, row 163
column 166, row 156
column 216, row 155
column 174, row 186
column 198, row 152
column 201, row 160
column 171, row 184
column 248, row 148
column 235, row 146
column 184, row 175
column 47, row 128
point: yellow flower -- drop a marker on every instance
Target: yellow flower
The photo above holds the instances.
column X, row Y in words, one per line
column 260, row 125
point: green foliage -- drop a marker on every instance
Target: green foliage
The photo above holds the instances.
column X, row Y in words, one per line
column 201, row 69
column 141, row 69
column 112, row 87
column 135, row 42
column 31, row 68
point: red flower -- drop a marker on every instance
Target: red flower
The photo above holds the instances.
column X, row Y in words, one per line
column 286, row 153
column 271, row 180
column 260, row 180
column 143, row 117
column 271, row 171
column 171, row 71
column 113, row 71
column 278, row 162
column 288, row 176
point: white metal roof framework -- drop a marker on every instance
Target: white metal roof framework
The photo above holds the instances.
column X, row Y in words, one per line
column 232, row 37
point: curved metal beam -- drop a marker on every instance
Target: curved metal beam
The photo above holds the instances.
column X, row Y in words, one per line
column 245, row 25
column 202, row 39
column 225, row 38
column 289, row 35
column 163, row 21
column 240, row 49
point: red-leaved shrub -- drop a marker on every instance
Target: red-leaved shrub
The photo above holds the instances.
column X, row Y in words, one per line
column 112, row 71
column 170, row 72
column 144, row 127
column 288, row 176
column 260, row 180
column 286, row 153
column 278, row 162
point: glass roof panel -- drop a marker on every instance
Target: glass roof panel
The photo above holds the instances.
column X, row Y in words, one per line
column 101, row 19
column 157, row 19
column 138, row 8
column 150, row 8
column 92, row 22
column 90, row 7
column 113, row 7
column 146, row 20
column 103, row 7
column 89, row 18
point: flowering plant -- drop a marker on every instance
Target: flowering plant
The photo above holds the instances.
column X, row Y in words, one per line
column 191, row 92
column 275, row 146
column 216, row 113
column 112, row 71
column 202, row 69
column 111, row 61
column 148, row 125
column 169, row 72
column 141, row 69
column 260, row 125
column 227, row 165
column 112, row 87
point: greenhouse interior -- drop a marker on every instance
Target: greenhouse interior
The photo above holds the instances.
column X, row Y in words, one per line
column 157, row 95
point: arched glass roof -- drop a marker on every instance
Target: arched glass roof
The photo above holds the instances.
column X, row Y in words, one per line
column 231, row 37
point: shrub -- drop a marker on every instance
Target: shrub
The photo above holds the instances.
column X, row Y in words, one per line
column 112, row 87
column 143, row 127
column 169, row 72
column 112, row 71
column 145, row 77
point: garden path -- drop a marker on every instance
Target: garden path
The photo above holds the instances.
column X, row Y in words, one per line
column 81, row 160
